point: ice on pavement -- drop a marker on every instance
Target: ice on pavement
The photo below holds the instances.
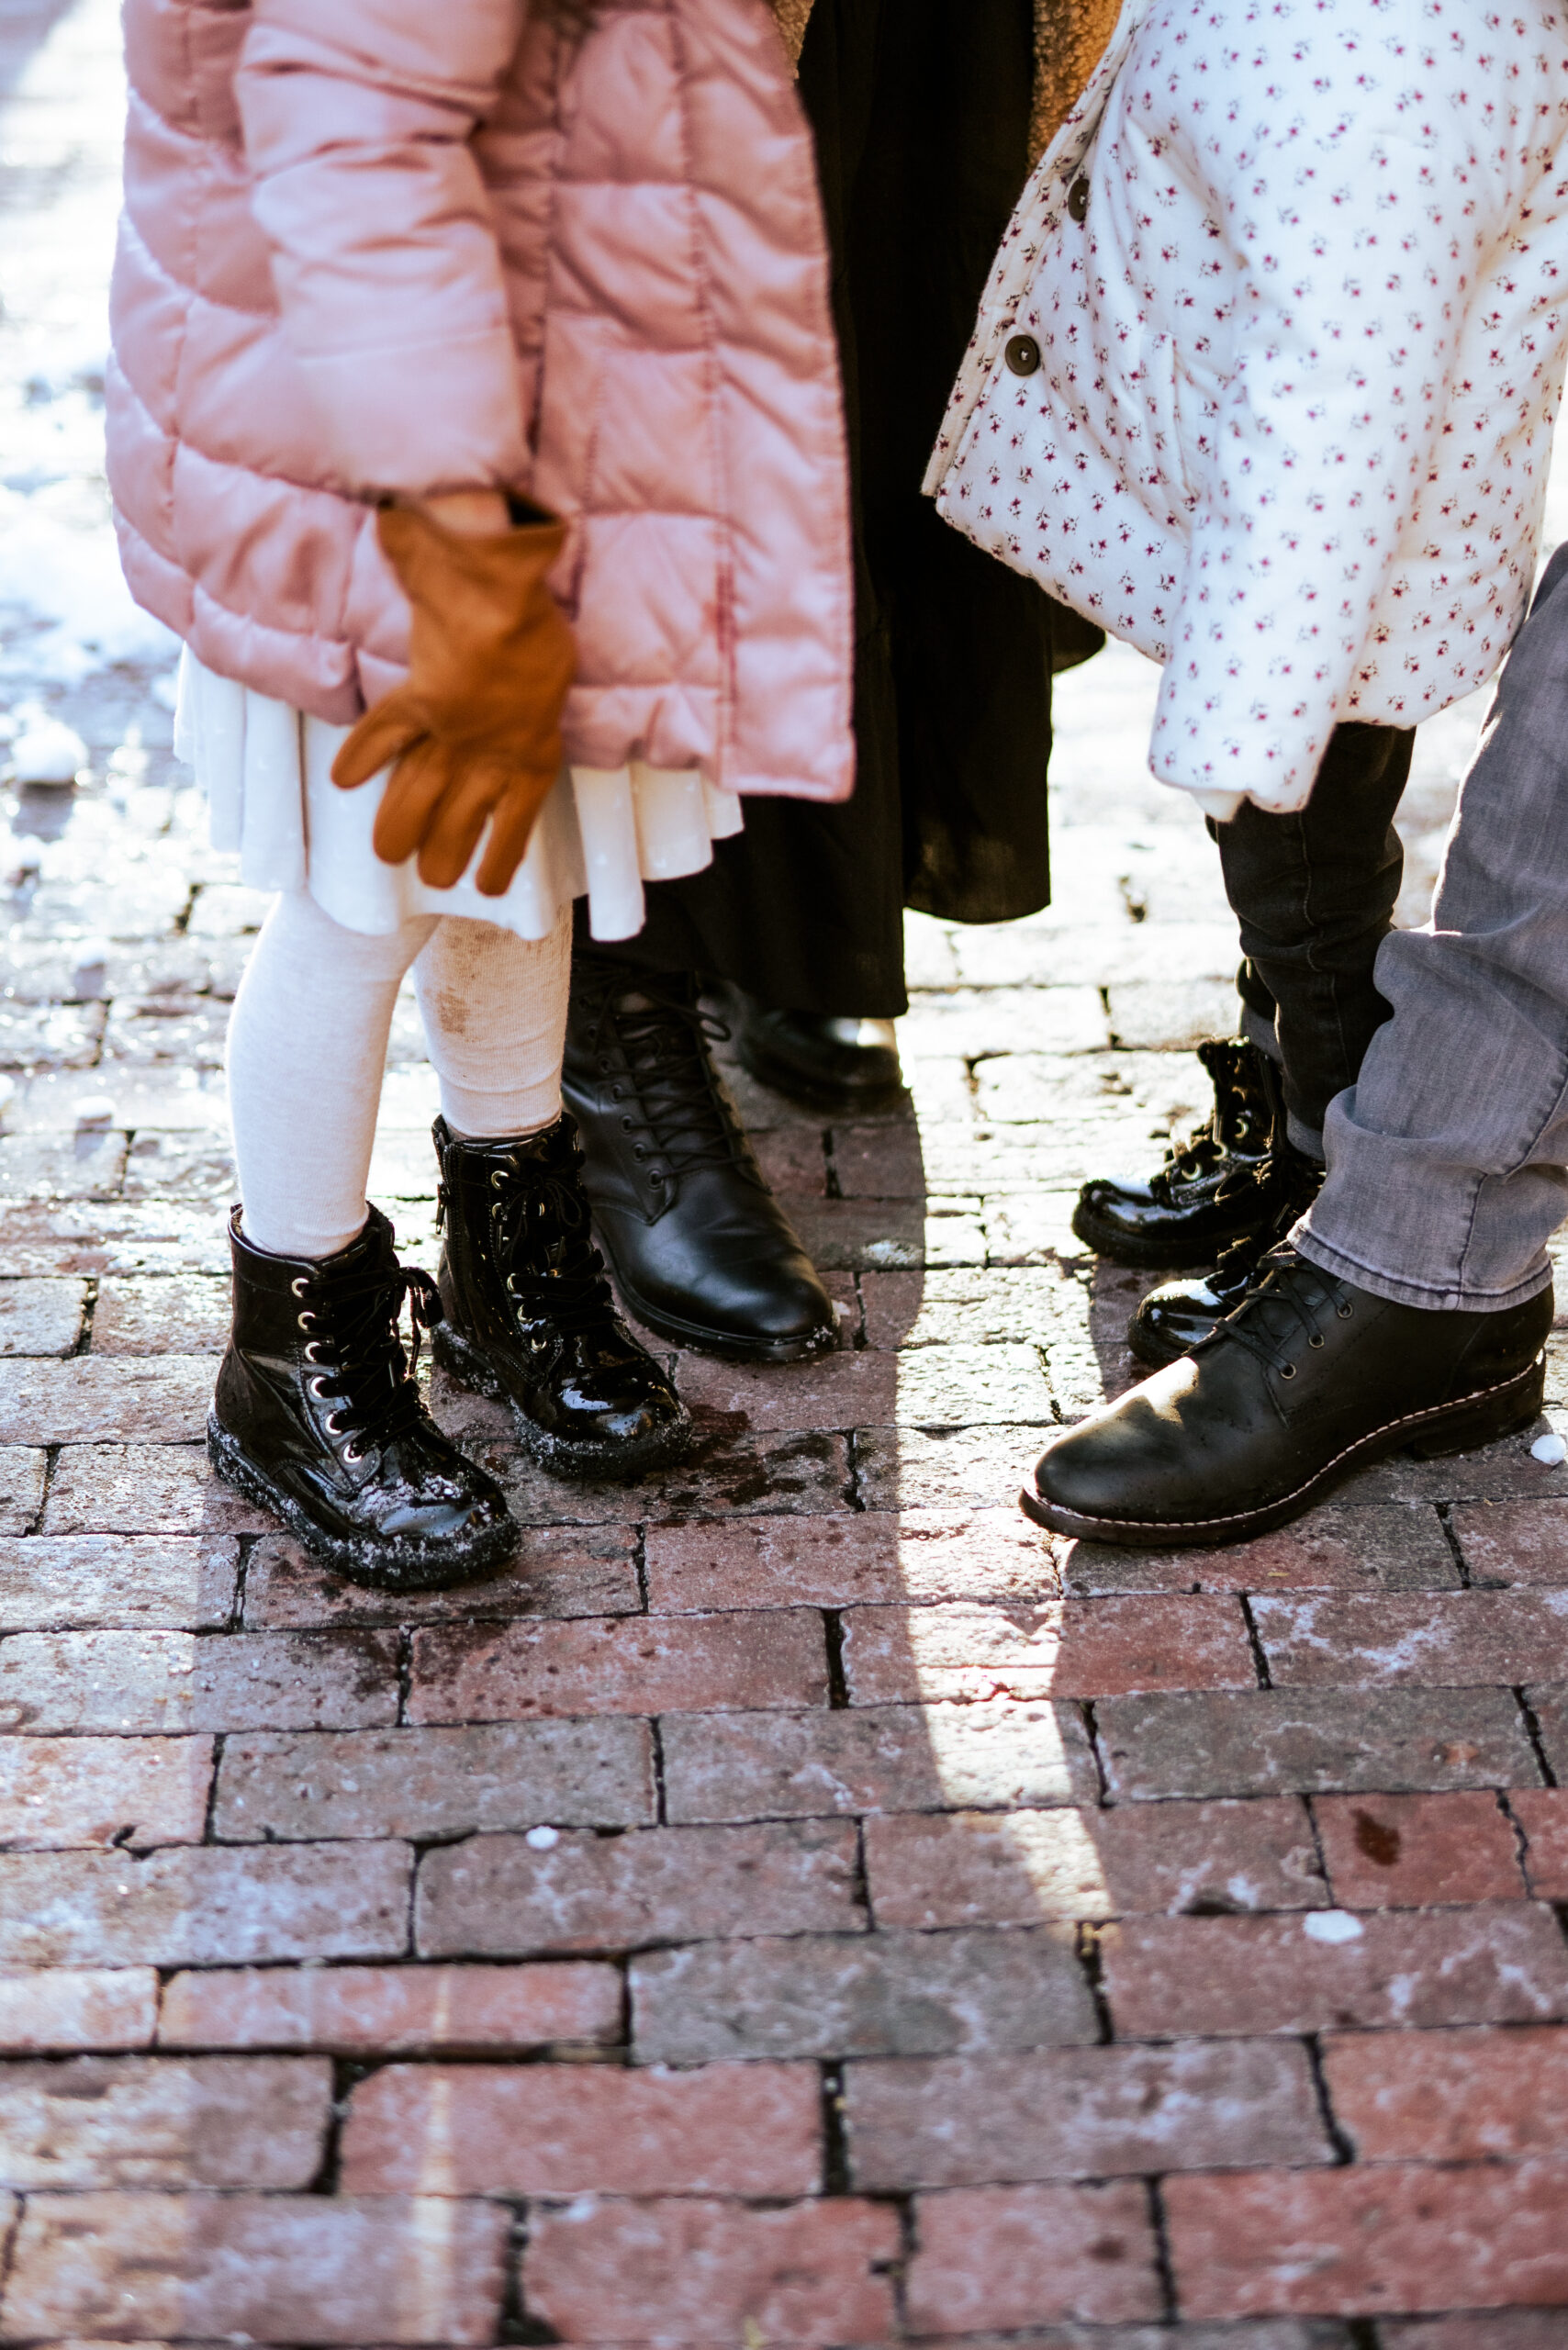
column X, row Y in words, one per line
column 64, row 610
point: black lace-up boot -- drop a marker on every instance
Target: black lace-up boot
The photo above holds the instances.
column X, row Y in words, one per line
column 529, row 1315
column 318, row 1416
column 1206, row 1194
column 1310, row 1379
column 1173, row 1318
column 701, row 1249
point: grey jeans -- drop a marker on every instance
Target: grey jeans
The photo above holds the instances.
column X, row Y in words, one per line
column 1446, row 1156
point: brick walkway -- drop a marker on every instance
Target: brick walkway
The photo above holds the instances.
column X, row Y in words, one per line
column 798, row 1904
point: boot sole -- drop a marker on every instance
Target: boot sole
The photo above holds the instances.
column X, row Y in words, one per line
column 581, row 1464
column 418, row 1567
column 1485, row 1418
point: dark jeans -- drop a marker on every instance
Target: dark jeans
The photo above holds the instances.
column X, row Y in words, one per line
column 1314, row 893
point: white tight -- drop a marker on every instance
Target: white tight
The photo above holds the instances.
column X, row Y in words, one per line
column 308, row 1045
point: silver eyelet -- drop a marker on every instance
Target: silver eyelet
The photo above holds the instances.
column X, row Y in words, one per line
column 639, row 1151
column 1287, row 1371
column 301, row 1287
column 316, row 1387
column 333, row 1425
column 304, row 1321
column 312, row 1348
column 352, row 1455
column 497, row 1177
column 1344, row 1311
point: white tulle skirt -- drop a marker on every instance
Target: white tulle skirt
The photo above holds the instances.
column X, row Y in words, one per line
column 266, row 770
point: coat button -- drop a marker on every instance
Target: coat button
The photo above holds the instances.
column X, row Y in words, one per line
column 1021, row 353
column 1078, row 199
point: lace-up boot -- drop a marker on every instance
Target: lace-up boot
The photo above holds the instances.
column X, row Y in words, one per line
column 701, row 1249
column 529, row 1315
column 1175, row 1317
column 318, row 1416
column 1210, row 1192
column 1308, row 1380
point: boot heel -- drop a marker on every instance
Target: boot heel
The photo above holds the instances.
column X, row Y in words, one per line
column 1504, row 1413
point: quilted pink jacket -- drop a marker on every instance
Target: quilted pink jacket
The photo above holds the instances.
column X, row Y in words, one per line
column 408, row 245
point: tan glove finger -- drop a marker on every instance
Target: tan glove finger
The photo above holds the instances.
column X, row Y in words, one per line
column 382, row 735
column 453, row 833
column 511, row 833
column 415, row 789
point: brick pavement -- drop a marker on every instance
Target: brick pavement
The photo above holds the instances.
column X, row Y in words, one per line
column 797, row 1902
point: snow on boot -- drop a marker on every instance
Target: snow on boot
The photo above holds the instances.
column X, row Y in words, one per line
column 529, row 1313
column 318, row 1416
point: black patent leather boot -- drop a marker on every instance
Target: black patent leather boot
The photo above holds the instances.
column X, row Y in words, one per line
column 1205, row 1196
column 529, row 1318
column 1309, row 1379
column 318, row 1416
column 702, row 1250
column 1178, row 1315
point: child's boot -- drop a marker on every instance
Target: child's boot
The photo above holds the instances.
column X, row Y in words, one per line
column 318, row 1417
column 529, row 1314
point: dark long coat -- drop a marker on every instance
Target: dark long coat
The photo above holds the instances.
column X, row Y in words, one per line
column 928, row 114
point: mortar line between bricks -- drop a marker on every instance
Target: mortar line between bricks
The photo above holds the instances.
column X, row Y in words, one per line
column 1344, row 2152
column 1315, row 1832
column 838, row 1682
column 1462, row 1565
column 51, row 1453
column 640, row 1564
column 656, row 1747
column 209, row 1810
column 1521, row 1837
column 1163, row 2266
column 1532, row 1731
column 1259, row 1660
column 1086, row 1949
column 405, row 1673
column 836, row 2176
column 89, row 1307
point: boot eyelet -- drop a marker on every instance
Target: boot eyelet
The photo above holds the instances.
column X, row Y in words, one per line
column 625, row 1126
column 1344, row 1311
column 312, row 1347
column 317, row 1387
column 353, row 1455
column 615, row 1092
column 655, row 1174
column 1287, row 1371
column 639, row 1151
column 333, row 1425
column 306, row 1321
column 301, row 1287
column 1316, row 1340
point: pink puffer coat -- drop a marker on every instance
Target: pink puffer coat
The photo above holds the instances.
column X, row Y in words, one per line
column 408, row 245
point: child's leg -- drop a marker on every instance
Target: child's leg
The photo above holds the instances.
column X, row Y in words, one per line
column 493, row 1007
column 529, row 1316
column 1314, row 893
column 306, row 1045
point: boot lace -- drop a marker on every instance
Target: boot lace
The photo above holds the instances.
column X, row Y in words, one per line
column 1238, row 1122
column 1292, row 1300
column 540, row 1239
column 684, row 1113
column 357, row 1350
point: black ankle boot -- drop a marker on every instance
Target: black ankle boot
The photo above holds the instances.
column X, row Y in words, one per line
column 318, row 1416
column 1310, row 1379
column 529, row 1318
column 702, row 1251
column 1175, row 1317
column 1204, row 1197
column 843, row 1066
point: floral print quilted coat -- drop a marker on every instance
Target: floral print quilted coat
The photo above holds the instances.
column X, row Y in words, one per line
column 1265, row 375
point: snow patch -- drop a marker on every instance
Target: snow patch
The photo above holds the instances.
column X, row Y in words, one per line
column 1332, row 1926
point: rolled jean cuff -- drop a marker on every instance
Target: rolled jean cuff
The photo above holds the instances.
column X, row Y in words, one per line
column 1260, row 1032
column 1329, row 1259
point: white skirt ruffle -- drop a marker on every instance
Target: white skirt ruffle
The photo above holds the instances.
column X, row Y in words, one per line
column 266, row 770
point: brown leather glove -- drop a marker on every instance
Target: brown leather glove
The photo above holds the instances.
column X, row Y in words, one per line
column 475, row 727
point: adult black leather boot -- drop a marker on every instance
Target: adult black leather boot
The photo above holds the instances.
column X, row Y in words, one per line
column 529, row 1318
column 1309, row 1379
column 1204, row 1197
column 318, row 1417
column 1178, row 1315
column 843, row 1066
column 702, row 1251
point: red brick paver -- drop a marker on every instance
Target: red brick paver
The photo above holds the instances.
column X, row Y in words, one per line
column 796, row 1904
